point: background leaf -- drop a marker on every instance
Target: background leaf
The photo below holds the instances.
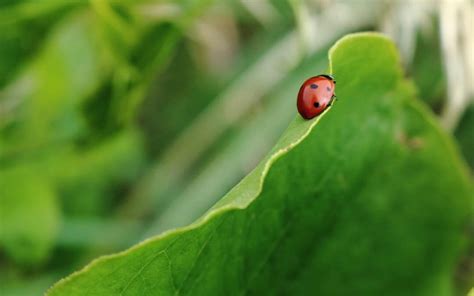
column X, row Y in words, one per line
column 371, row 194
column 27, row 236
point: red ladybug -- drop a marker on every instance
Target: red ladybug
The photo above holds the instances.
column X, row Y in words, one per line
column 315, row 95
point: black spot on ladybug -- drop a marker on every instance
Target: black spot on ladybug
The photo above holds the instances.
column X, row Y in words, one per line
column 316, row 104
column 328, row 88
column 314, row 86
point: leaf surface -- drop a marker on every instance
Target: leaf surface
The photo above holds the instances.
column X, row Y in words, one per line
column 370, row 198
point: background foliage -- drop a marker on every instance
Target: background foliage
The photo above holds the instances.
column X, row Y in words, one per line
column 122, row 119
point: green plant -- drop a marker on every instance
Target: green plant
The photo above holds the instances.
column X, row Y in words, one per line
column 370, row 198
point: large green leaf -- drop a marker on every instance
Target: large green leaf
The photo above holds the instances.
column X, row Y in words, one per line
column 369, row 199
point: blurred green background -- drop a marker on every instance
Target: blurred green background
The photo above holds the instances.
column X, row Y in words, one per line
column 122, row 119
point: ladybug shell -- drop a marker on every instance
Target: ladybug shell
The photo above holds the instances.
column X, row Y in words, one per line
column 315, row 95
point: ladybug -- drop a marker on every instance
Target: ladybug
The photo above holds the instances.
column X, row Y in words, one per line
column 315, row 95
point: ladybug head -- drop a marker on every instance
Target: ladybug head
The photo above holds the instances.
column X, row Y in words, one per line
column 329, row 77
